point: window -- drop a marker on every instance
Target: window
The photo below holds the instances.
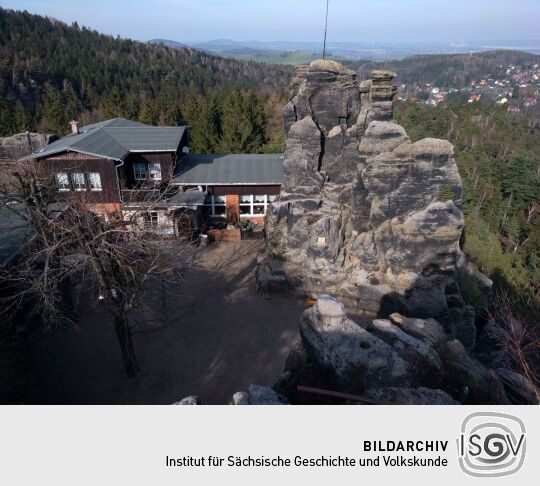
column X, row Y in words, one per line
column 94, row 181
column 255, row 205
column 143, row 171
column 154, row 171
column 216, row 205
column 62, row 181
column 79, row 181
column 150, row 219
column 140, row 171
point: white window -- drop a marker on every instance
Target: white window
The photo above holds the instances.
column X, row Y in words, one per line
column 62, row 181
column 150, row 219
column 216, row 205
column 79, row 181
column 255, row 205
column 147, row 171
column 140, row 171
column 154, row 171
column 94, row 181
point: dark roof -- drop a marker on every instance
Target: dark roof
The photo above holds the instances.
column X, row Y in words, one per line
column 234, row 169
column 115, row 139
column 188, row 198
column 15, row 231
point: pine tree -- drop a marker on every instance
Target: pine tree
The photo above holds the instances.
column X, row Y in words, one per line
column 148, row 113
column 52, row 114
column 114, row 104
column 243, row 123
column 20, row 119
column 206, row 129
column 72, row 104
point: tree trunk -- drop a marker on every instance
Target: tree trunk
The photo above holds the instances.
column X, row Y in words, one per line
column 123, row 334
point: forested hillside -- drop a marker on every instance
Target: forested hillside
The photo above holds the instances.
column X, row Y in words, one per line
column 51, row 73
column 498, row 155
column 447, row 70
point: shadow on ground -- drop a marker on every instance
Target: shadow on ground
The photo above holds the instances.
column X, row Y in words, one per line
column 210, row 337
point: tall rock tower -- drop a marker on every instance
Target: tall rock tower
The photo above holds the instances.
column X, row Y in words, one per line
column 365, row 214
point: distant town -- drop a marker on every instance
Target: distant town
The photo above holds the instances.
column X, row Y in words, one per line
column 519, row 89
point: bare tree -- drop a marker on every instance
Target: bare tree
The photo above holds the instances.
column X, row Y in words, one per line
column 72, row 243
column 522, row 339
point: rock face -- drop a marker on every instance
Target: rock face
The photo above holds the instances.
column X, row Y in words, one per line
column 396, row 361
column 364, row 214
column 411, row 396
column 258, row 395
column 192, row 400
column 15, row 147
column 357, row 358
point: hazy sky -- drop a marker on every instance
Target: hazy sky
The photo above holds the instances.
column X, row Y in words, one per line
column 299, row 20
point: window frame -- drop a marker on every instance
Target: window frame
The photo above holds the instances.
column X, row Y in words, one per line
column 62, row 186
column 153, row 171
column 147, row 171
column 90, row 183
column 252, row 204
column 78, row 186
column 136, row 169
column 150, row 219
column 212, row 205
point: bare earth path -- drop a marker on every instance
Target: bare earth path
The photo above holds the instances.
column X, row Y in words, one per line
column 218, row 339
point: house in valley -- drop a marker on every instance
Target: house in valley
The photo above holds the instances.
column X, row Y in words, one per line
column 146, row 174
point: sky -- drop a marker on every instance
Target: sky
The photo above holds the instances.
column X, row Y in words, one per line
column 299, row 20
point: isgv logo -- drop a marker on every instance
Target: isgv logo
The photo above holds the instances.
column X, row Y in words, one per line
column 491, row 444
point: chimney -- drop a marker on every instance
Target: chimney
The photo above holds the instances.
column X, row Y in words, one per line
column 74, row 127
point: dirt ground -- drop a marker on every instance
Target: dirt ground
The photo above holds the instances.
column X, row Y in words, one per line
column 214, row 337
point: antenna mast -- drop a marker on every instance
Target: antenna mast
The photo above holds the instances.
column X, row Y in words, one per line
column 325, row 30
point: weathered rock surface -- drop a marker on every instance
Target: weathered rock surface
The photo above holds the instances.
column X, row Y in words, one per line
column 427, row 330
column 259, row 395
column 519, row 389
column 357, row 358
column 411, row 396
column 492, row 344
column 401, row 360
column 469, row 379
column 15, row 147
column 192, row 400
column 424, row 361
column 364, row 214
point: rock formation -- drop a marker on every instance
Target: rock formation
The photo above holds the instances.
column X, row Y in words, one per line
column 395, row 361
column 17, row 146
column 258, row 395
column 402, row 361
column 364, row 214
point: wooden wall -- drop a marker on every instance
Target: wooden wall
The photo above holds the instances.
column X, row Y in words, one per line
column 77, row 162
column 165, row 159
column 244, row 190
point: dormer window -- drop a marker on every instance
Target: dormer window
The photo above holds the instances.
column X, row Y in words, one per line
column 139, row 171
column 143, row 171
column 154, row 171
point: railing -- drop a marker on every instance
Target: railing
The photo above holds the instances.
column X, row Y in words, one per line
column 141, row 195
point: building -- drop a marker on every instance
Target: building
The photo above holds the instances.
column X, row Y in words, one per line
column 147, row 174
column 238, row 187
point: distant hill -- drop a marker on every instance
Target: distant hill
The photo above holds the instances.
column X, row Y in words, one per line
column 448, row 70
column 167, row 43
column 289, row 52
column 51, row 72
